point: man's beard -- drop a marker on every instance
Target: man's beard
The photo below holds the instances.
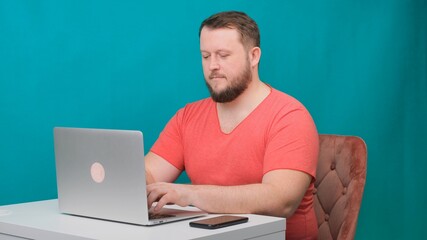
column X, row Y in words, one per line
column 237, row 86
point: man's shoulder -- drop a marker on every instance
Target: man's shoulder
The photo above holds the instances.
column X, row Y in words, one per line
column 196, row 107
column 282, row 99
column 199, row 103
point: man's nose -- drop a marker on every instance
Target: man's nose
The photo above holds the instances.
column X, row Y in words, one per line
column 213, row 65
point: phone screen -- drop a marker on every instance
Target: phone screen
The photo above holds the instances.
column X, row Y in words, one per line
column 218, row 222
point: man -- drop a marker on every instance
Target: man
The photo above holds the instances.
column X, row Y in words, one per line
column 248, row 148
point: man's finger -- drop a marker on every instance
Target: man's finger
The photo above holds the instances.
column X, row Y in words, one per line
column 161, row 203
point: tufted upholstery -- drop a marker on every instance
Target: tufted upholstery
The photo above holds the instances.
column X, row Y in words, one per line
column 340, row 180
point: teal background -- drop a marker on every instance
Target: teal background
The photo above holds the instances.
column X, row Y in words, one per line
column 359, row 66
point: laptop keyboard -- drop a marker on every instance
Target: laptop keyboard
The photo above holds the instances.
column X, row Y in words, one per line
column 159, row 216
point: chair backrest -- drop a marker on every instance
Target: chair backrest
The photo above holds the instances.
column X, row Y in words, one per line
column 340, row 180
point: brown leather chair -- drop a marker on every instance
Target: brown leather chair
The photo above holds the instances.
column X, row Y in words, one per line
column 340, row 180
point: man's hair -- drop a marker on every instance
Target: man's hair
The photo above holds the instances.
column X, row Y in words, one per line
column 245, row 25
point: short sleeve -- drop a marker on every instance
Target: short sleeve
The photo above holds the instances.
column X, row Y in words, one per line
column 169, row 144
column 293, row 142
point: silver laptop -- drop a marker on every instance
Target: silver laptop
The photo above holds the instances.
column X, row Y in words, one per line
column 101, row 174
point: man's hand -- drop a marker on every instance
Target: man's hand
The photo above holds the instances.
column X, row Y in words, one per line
column 165, row 193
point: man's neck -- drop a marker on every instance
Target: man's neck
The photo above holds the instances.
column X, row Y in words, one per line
column 256, row 92
column 231, row 114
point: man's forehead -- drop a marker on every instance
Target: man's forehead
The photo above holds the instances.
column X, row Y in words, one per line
column 226, row 38
column 219, row 31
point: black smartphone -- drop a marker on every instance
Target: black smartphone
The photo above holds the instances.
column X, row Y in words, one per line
column 218, row 222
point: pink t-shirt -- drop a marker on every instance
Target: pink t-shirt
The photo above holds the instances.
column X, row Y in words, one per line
column 278, row 134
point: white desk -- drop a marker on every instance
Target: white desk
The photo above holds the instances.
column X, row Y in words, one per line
column 42, row 220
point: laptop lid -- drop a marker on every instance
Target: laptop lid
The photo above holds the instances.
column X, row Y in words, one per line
column 101, row 174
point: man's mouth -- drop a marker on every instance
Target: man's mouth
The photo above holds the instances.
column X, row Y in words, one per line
column 216, row 76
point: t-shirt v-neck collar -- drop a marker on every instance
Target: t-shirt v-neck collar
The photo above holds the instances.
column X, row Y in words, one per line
column 218, row 125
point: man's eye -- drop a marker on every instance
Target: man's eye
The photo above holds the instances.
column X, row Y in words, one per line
column 224, row 55
column 205, row 56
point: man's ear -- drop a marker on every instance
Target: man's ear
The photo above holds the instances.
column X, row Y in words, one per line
column 255, row 56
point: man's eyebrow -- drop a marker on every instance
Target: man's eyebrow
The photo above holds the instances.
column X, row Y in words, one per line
column 223, row 51
column 216, row 51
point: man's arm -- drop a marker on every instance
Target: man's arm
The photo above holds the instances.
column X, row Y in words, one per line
column 279, row 194
column 158, row 169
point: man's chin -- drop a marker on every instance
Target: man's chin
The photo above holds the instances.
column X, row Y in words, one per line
column 220, row 92
column 223, row 96
column 218, row 87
